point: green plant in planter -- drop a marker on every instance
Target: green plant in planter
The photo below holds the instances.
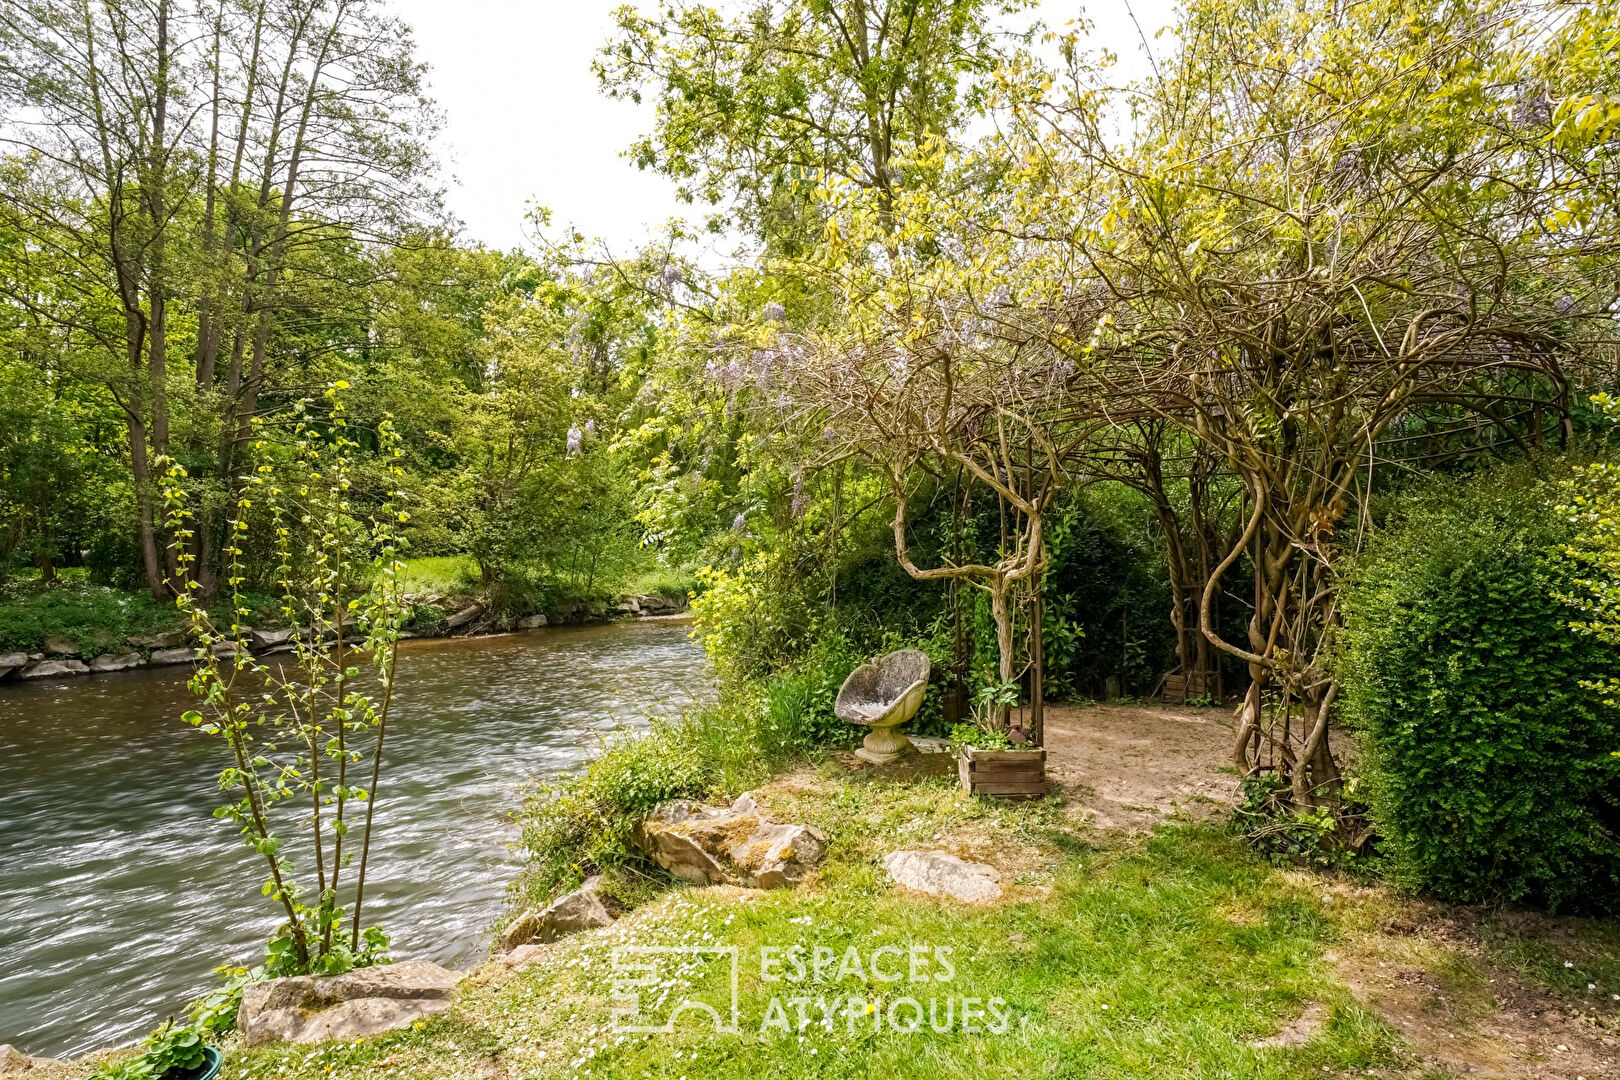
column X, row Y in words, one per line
column 978, row 738
column 171, row 1051
column 305, row 739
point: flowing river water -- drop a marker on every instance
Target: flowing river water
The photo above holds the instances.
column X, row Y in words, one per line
column 119, row 893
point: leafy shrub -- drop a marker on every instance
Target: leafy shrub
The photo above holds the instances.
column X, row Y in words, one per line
column 1269, row 824
column 1488, row 754
column 585, row 823
column 977, row 737
column 96, row 617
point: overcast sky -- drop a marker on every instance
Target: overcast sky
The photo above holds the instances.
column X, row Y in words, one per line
column 524, row 122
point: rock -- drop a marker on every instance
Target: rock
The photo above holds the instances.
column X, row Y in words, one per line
column 58, row 645
column 943, row 874
column 523, row 954
column 115, row 662
column 464, row 616
column 171, row 640
column 367, row 1001
column 13, row 1062
column 159, row 657
column 226, row 648
column 10, row 662
column 269, row 639
column 570, row 913
column 628, row 606
column 44, row 669
column 708, row 845
column 531, row 622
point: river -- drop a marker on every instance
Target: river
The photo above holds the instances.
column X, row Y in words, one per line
column 119, row 893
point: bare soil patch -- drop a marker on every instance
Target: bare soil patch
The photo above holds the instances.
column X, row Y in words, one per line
column 1131, row 766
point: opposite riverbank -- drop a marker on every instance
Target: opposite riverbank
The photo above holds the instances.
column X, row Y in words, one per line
column 72, row 626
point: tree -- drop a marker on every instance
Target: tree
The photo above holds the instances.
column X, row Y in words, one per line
column 755, row 108
column 175, row 168
column 1331, row 215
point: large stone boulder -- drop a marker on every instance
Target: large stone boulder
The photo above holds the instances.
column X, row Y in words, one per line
column 61, row 645
column 10, row 662
column 735, row 845
column 531, row 622
column 115, row 662
column 940, row 873
column 270, row 639
column 45, row 669
column 171, row 639
column 582, row 909
column 368, row 1001
column 160, row 657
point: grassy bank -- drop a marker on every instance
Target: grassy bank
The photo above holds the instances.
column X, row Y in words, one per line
column 1172, row 954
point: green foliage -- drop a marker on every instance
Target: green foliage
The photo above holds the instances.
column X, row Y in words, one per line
column 976, row 736
column 584, row 823
column 1273, row 827
column 96, row 617
column 169, row 1053
column 303, row 739
column 1487, row 752
column 1592, row 497
column 1107, row 598
column 755, row 107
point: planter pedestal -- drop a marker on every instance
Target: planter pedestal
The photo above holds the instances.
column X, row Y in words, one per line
column 884, row 743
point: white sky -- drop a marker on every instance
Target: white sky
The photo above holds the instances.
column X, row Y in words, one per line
column 524, row 122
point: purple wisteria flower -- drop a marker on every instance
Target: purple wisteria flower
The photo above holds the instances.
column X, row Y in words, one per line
column 576, row 441
column 774, row 312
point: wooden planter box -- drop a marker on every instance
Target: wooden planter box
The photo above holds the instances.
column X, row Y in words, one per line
column 1004, row 774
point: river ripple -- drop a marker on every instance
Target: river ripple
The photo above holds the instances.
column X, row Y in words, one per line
column 119, row 893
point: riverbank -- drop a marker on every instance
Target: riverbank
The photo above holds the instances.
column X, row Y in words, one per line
column 1135, row 936
column 1151, row 943
column 72, row 627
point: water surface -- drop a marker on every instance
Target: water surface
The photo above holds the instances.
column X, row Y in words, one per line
column 119, row 893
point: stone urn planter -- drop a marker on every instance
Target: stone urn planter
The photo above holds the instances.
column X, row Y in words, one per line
column 1003, row 774
column 882, row 695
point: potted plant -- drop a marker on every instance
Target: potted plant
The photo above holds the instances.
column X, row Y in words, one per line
column 988, row 763
column 172, row 1053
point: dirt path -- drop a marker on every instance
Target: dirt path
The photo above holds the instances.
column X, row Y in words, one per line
column 1130, row 766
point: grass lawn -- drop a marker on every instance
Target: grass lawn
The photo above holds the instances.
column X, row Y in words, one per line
column 447, row 575
column 1176, row 953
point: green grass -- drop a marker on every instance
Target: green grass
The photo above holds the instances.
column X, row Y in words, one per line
column 661, row 581
column 1169, row 958
column 96, row 617
column 443, row 574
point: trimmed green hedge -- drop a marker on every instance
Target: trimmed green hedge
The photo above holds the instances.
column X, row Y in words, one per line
column 1491, row 767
